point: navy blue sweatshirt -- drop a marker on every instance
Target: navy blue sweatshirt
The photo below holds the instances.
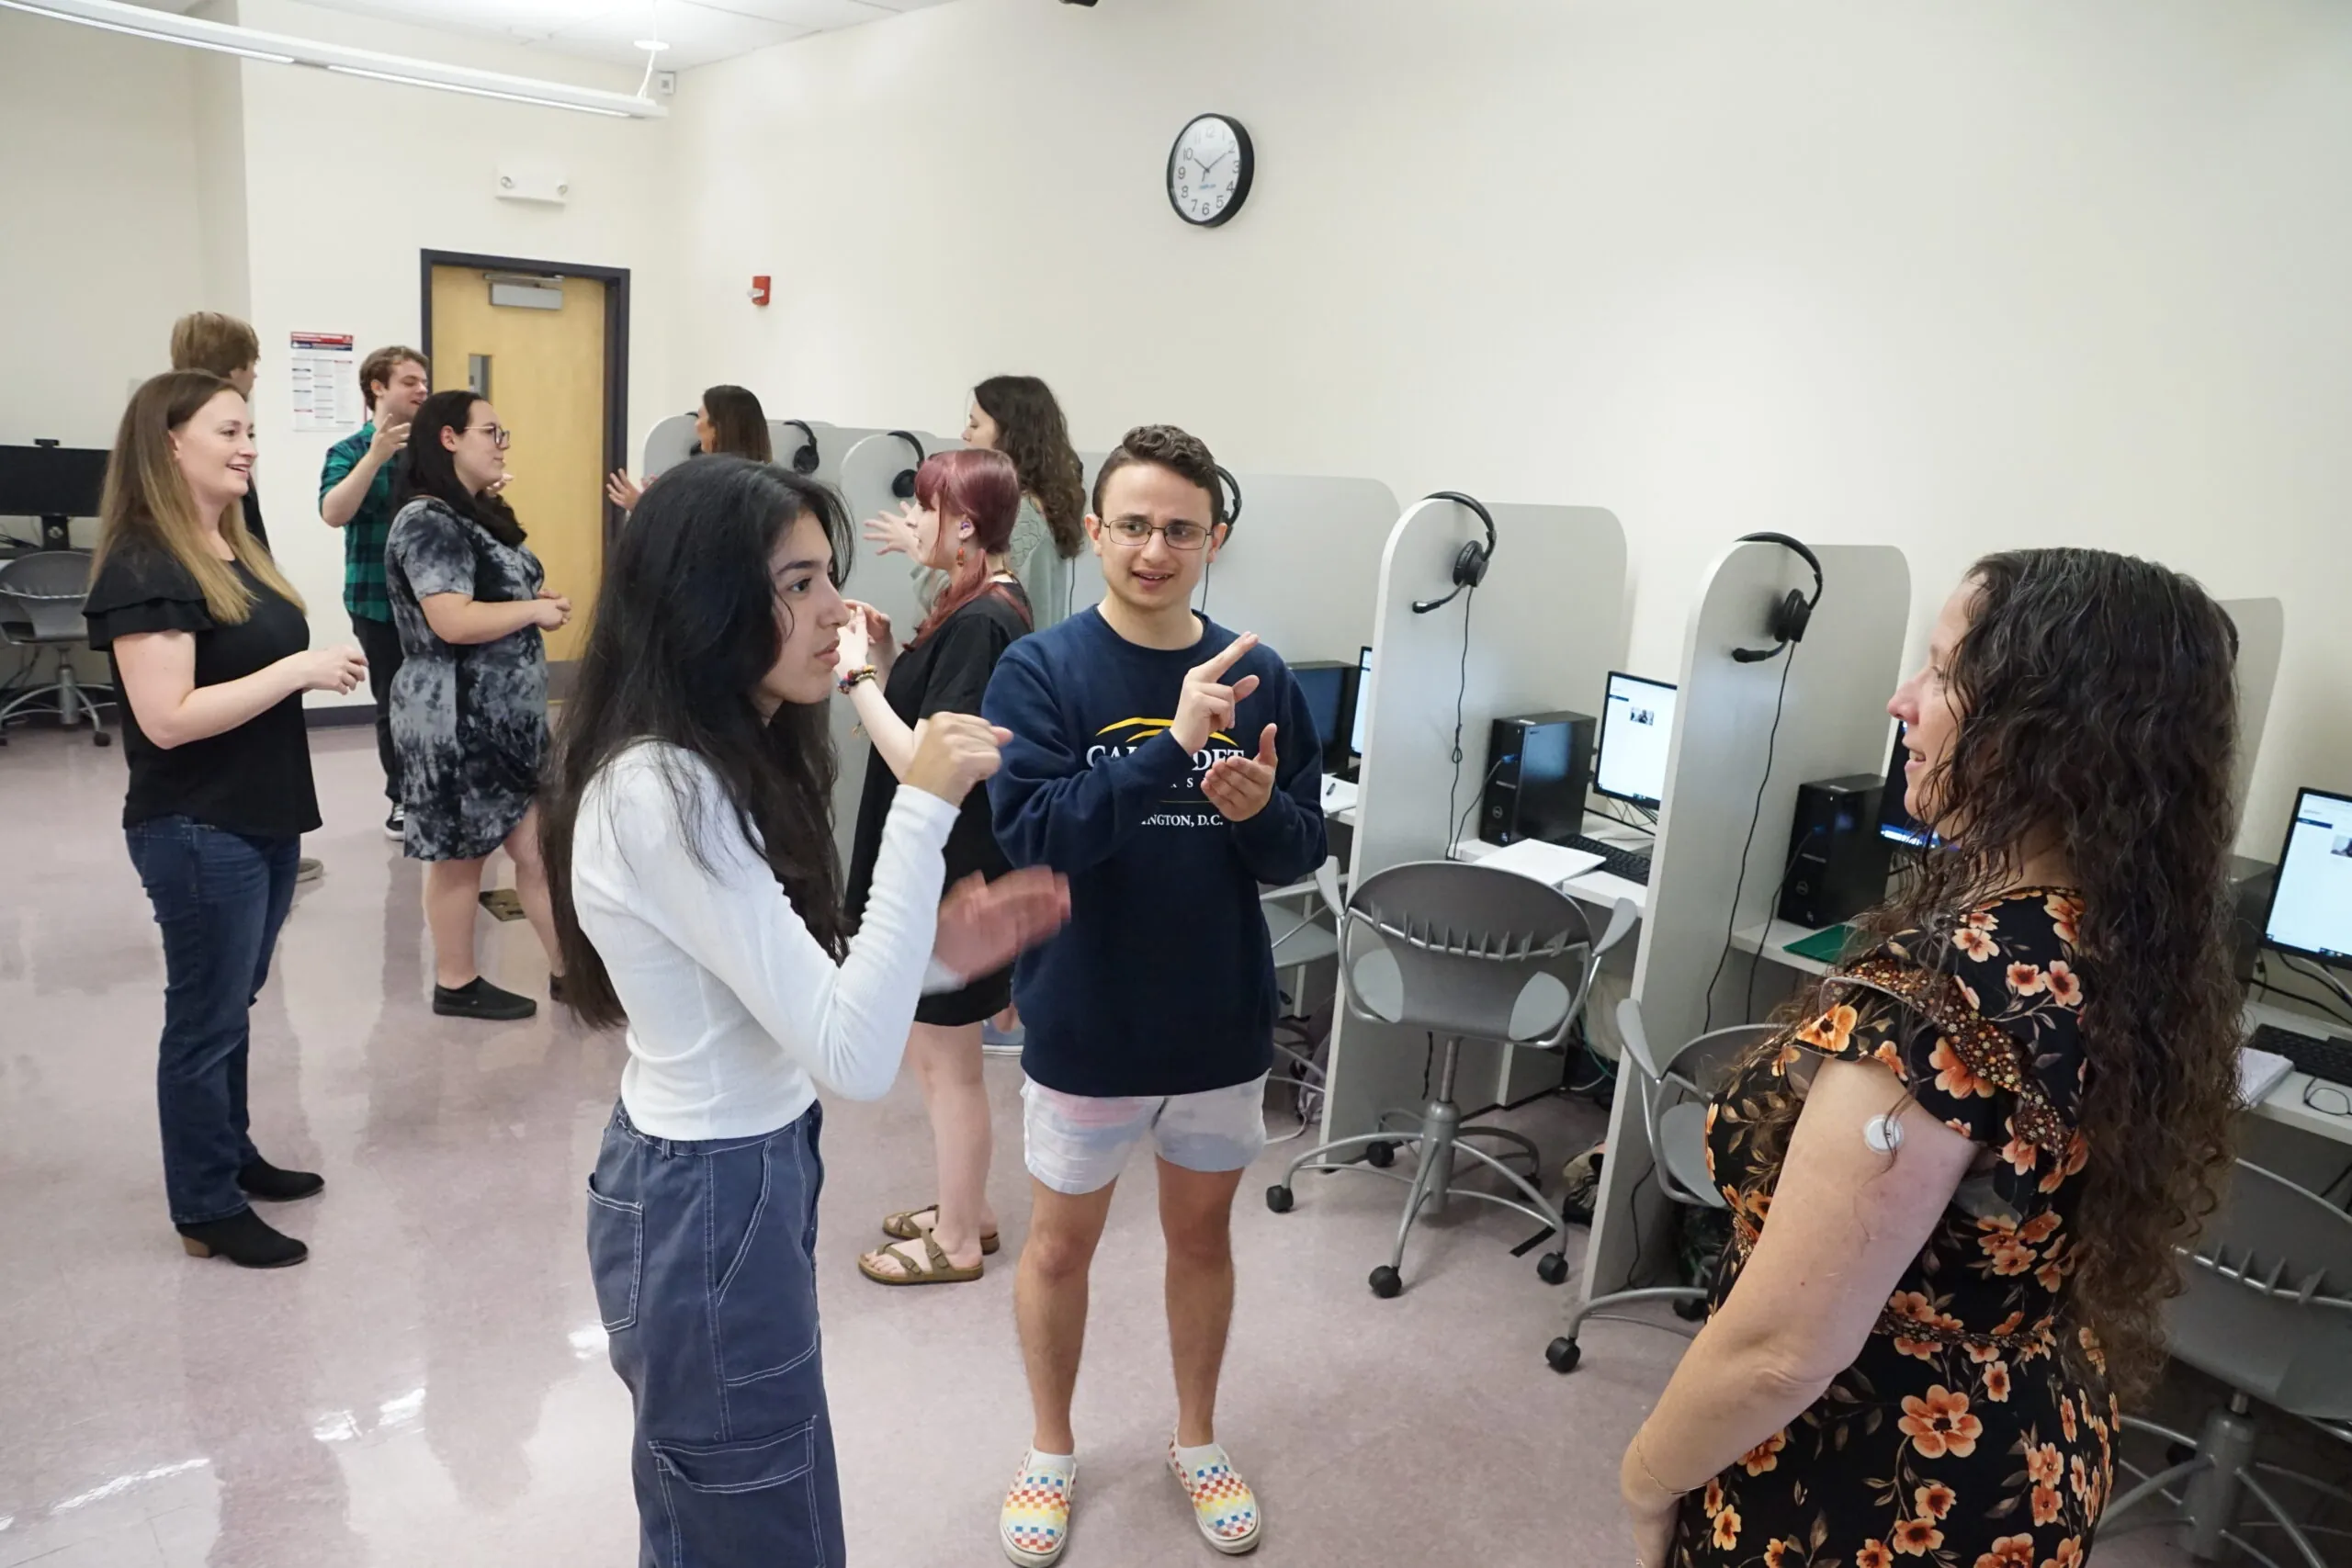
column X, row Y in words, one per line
column 1163, row 981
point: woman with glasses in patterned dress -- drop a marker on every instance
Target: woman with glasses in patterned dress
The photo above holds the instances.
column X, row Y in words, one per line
column 469, row 705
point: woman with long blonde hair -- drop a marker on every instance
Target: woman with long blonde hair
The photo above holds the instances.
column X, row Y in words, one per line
column 211, row 654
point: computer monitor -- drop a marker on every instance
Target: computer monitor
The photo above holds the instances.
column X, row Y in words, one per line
column 1363, row 703
column 1636, row 727
column 1895, row 823
column 2311, row 905
column 51, row 481
column 1325, row 687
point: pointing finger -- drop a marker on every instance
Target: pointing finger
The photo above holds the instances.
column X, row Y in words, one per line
column 1232, row 655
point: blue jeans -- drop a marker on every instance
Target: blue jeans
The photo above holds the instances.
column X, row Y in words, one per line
column 704, row 1259
column 220, row 898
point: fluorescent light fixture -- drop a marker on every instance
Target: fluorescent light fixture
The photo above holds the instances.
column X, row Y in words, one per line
column 651, row 45
column 407, row 81
column 283, row 48
column 148, row 33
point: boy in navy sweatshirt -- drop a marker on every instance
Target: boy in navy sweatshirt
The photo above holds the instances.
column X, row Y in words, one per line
column 1168, row 768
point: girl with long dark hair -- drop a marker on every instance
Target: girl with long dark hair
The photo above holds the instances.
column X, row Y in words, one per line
column 469, row 705
column 697, row 902
column 1958, row 1179
column 211, row 655
column 729, row 420
column 964, row 505
column 1018, row 416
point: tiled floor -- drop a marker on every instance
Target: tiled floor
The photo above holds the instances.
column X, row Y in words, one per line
column 431, row 1387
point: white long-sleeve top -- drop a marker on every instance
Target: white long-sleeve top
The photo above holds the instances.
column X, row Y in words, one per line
column 733, row 1006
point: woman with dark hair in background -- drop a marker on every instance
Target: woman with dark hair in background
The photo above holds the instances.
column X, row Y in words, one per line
column 211, row 655
column 469, row 705
column 689, row 837
column 964, row 503
column 729, row 421
column 1018, row 416
column 1958, row 1186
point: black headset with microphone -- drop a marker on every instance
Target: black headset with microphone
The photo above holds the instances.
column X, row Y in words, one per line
column 1786, row 622
column 1232, row 497
column 902, row 484
column 804, row 457
column 1471, row 564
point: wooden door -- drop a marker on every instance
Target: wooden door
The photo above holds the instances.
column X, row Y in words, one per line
column 545, row 375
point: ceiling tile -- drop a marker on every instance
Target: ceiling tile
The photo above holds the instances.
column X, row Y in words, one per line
column 696, row 34
column 813, row 15
column 699, row 32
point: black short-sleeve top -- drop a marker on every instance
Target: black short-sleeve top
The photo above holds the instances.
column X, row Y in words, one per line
column 254, row 779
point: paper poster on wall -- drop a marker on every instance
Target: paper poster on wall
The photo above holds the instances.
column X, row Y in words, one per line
column 325, row 382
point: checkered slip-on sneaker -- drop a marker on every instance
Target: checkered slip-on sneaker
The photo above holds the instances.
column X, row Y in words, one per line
column 1034, row 1527
column 1222, row 1506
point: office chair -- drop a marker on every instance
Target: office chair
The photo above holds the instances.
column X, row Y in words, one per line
column 1305, row 935
column 40, row 607
column 2269, row 1312
column 1674, row 1115
column 1461, row 952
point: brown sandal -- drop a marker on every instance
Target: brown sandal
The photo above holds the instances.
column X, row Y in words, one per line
column 901, row 1226
column 935, row 1270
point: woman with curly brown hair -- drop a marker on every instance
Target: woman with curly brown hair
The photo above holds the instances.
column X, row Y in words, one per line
column 1018, row 416
column 1958, row 1181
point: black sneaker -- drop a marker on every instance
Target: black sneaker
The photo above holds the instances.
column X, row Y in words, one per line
column 478, row 999
column 396, row 825
column 264, row 1180
column 245, row 1239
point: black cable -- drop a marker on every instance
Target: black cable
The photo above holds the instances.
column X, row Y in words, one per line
column 1648, row 829
column 1730, row 918
column 1462, row 823
column 1461, row 695
column 2333, row 1008
column 1427, row 1062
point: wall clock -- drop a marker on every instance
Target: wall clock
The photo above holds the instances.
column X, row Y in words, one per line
column 1209, row 170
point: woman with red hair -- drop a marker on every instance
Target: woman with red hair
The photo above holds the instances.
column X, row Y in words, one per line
column 966, row 503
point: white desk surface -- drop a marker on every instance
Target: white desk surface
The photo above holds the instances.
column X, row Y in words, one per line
column 1770, row 941
column 1594, row 886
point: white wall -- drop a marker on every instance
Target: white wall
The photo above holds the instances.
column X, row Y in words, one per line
column 143, row 180
column 347, row 181
column 99, row 234
column 1955, row 278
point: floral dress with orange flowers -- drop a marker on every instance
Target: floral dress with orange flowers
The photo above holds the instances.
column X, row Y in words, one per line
column 1975, row 1429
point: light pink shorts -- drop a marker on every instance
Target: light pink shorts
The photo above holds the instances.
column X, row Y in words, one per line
column 1077, row 1144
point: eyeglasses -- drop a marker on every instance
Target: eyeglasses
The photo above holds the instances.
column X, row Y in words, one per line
column 499, row 436
column 1134, row 533
column 2326, row 1099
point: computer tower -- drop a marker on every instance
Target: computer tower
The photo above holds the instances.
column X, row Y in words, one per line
column 2251, row 883
column 1838, row 861
column 1538, row 768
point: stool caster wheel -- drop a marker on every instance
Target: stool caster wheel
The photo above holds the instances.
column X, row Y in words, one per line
column 1691, row 1311
column 1562, row 1354
column 1386, row 1283
column 1552, row 1268
column 1278, row 1198
column 1380, row 1155
column 100, row 737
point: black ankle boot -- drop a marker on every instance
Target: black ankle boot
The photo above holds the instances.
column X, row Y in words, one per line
column 244, row 1240
column 264, row 1180
column 478, row 999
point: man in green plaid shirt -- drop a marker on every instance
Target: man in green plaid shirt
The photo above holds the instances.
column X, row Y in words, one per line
column 355, row 495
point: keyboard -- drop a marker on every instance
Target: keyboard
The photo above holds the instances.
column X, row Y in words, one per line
column 1633, row 866
column 2329, row 1058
